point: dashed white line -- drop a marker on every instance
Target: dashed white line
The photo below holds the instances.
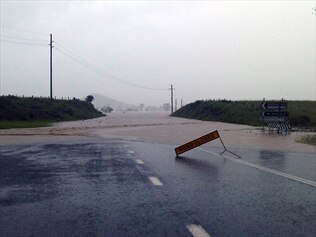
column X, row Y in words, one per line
column 140, row 162
column 131, row 152
column 197, row 231
column 155, row 181
column 285, row 175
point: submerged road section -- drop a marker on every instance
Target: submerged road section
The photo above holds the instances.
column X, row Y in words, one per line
column 121, row 188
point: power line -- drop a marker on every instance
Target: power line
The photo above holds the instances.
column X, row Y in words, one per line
column 96, row 69
column 68, row 53
column 97, row 61
column 23, row 39
column 104, row 74
column 23, row 43
column 58, row 42
column 22, row 30
column 74, row 54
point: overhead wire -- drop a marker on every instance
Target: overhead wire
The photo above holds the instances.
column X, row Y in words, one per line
column 22, row 39
column 22, row 30
column 24, row 43
column 117, row 71
column 102, row 73
column 66, row 52
column 96, row 62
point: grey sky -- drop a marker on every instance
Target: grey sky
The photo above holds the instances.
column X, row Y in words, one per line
column 207, row 50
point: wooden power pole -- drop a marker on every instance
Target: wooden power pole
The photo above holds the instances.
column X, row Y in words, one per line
column 171, row 88
column 51, row 66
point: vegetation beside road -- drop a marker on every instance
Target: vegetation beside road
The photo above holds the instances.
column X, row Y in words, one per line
column 6, row 124
column 308, row 139
column 18, row 112
column 301, row 113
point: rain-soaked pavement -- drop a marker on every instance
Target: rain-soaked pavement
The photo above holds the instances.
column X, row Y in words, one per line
column 94, row 187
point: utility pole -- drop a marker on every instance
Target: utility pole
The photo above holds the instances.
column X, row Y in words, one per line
column 51, row 66
column 171, row 88
column 175, row 105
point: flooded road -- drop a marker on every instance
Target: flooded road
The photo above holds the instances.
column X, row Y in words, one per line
column 118, row 176
column 159, row 127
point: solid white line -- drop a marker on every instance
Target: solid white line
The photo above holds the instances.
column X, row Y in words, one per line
column 140, row 162
column 285, row 175
column 155, row 181
column 197, row 231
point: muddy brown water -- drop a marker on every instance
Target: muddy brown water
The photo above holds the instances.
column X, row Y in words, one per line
column 157, row 127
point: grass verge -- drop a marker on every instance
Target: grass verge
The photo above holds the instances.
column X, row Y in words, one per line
column 301, row 113
column 24, row 124
column 30, row 112
column 308, row 139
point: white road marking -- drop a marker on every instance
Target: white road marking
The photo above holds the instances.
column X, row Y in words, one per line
column 197, row 231
column 155, row 181
column 131, row 152
column 285, row 175
column 140, row 162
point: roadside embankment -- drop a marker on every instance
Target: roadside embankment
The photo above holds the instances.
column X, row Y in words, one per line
column 18, row 112
column 301, row 113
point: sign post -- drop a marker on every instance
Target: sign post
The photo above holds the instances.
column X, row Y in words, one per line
column 275, row 115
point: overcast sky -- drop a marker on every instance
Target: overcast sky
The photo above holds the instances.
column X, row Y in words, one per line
column 234, row 50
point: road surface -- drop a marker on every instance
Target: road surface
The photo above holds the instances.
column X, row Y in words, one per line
column 101, row 186
column 119, row 188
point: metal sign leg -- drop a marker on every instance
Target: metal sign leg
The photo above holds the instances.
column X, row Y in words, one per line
column 225, row 149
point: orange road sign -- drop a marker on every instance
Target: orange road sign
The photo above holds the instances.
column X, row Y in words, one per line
column 197, row 142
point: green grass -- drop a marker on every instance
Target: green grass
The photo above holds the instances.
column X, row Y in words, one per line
column 308, row 139
column 17, row 112
column 24, row 124
column 301, row 113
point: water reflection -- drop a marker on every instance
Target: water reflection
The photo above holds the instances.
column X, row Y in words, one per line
column 272, row 158
column 200, row 165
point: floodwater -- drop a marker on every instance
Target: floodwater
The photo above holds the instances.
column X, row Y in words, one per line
column 83, row 178
column 159, row 128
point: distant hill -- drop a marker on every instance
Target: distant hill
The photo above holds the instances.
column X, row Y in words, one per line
column 102, row 100
column 301, row 113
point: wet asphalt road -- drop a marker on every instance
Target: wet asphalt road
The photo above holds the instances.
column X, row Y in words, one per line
column 103, row 188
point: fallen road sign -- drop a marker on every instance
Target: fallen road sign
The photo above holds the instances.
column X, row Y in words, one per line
column 197, row 142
